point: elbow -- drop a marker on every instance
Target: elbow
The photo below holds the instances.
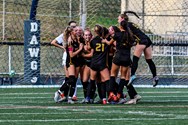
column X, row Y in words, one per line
column 53, row 42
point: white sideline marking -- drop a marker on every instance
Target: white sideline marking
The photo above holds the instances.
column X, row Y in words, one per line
column 168, row 92
column 57, row 86
column 145, row 113
column 77, row 120
column 166, row 96
column 33, row 86
column 34, row 97
column 19, row 93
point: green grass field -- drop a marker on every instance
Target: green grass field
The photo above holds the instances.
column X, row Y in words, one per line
column 35, row 106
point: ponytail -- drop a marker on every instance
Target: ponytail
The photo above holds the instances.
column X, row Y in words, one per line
column 128, row 35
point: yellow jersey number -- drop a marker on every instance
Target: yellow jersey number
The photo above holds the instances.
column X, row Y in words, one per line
column 99, row 47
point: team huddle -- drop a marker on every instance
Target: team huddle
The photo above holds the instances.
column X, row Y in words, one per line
column 100, row 58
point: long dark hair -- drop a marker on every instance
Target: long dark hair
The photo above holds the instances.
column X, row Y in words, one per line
column 116, row 29
column 105, row 32
column 127, row 37
column 132, row 12
column 98, row 30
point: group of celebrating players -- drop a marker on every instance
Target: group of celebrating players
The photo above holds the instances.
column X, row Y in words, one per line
column 100, row 59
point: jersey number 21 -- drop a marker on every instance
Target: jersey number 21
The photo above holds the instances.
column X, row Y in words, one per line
column 99, row 47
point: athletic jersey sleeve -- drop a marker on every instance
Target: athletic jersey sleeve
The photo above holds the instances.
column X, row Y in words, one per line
column 59, row 39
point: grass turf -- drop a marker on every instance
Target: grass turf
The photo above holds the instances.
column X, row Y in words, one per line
column 28, row 106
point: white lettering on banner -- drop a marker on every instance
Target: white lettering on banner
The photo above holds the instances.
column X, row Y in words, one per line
column 34, row 79
column 34, row 52
column 34, row 65
column 34, row 40
column 34, row 27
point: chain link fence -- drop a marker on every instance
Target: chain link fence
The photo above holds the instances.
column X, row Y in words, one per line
column 166, row 22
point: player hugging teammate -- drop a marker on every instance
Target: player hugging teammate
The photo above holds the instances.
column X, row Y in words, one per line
column 89, row 56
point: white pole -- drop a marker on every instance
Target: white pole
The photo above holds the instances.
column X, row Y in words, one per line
column 9, row 58
column 70, row 10
column 123, row 5
column 3, row 23
column 80, row 13
column 84, row 15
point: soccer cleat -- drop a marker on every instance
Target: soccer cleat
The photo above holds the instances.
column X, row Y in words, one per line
column 132, row 101
column 122, row 101
column 83, row 101
column 111, row 96
column 86, row 100
column 62, row 99
column 99, row 101
column 59, row 97
column 61, row 94
column 70, row 101
column 137, row 97
column 133, row 77
column 74, row 98
column 56, row 97
column 155, row 81
column 93, row 99
column 104, row 102
column 115, row 98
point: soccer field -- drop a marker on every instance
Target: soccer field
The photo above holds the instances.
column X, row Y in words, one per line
column 35, row 106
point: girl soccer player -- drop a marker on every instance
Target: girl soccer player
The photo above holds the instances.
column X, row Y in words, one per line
column 121, row 60
column 99, row 52
column 143, row 45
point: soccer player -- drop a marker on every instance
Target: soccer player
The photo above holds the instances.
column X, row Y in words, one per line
column 58, row 42
column 73, row 49
column 121, row 60
column 99, row 52
column 143, row 45
column 86, row 69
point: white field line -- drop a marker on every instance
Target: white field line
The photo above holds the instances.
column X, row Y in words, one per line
column 145, row 113
column 80, row 120
column 28, row 97
column 167, row 92
column 57, row 86
column 19, row 93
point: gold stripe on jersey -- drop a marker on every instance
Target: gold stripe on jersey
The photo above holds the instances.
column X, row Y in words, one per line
column 70, row 63
column 137, row 39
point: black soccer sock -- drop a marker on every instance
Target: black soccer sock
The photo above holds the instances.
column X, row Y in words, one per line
column 116, row 86
column 89, row 88
column 72, row 82
column 65, row 86
column 103, row 89
column 152, row 66
column 99, row 90
column 134, row 65
column 85, row 85
column 130, row 89
column 122, row 83
column 111, row 83
column 93, row 89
